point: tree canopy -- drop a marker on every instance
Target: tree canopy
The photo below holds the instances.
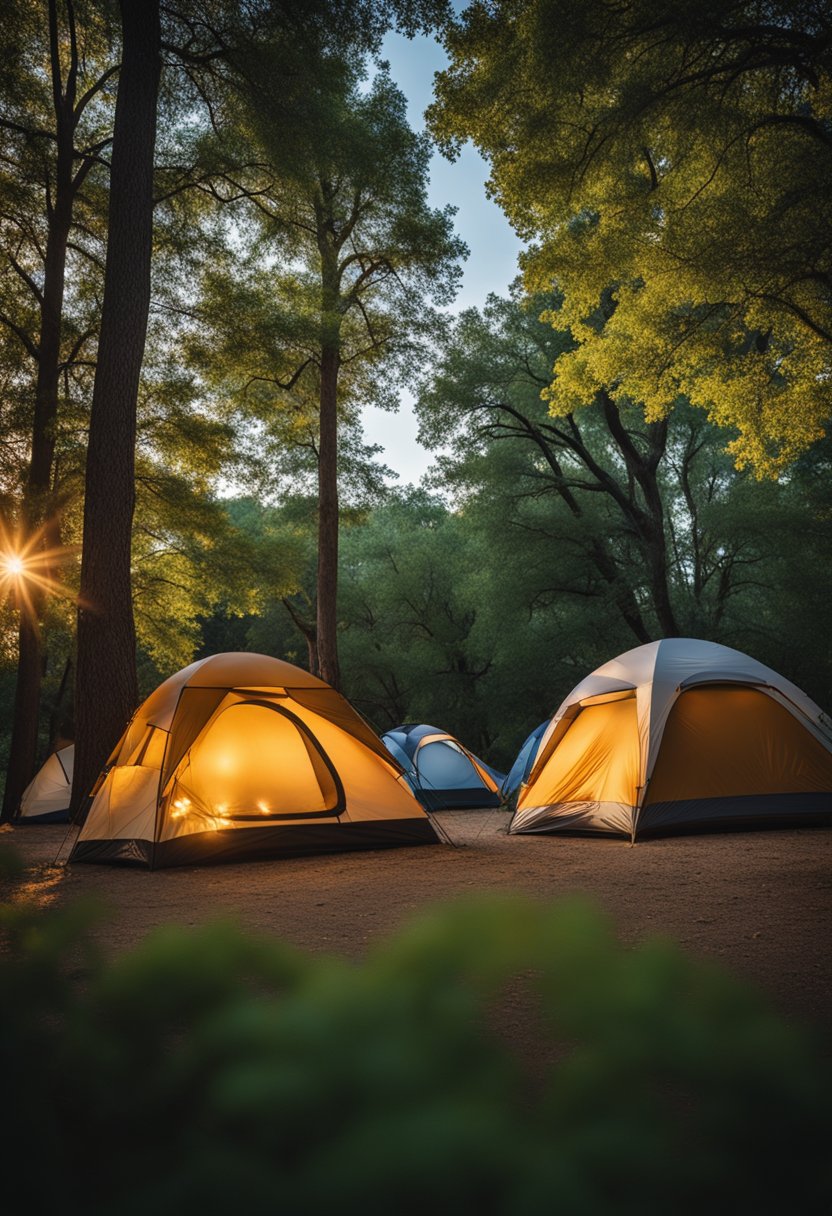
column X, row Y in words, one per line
column 672, row 165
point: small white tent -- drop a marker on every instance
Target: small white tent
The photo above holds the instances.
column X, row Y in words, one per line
column 46, row 797
column 678, row 735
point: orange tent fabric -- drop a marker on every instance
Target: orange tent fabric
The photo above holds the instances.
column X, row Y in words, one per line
column 244, row 755
column 676, row 735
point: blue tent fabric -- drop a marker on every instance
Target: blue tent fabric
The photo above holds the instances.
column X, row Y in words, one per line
column 440, row 770
column 522, row 766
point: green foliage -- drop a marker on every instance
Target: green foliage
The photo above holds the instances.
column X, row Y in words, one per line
column 480, row 614
column 413, row 577
column 208, row 1069
column 571, row 539
column 671, row 163
column 340, row 248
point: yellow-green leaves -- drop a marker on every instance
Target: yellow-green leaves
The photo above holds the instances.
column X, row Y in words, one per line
column 683, row 157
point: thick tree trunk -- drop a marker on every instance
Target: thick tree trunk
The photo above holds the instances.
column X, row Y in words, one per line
column 37, row 504
column 647, row 521
column 106, row 687
column 655, row 546
column 23, row 754
column 327, row 614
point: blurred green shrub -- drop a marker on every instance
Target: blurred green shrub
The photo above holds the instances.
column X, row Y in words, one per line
column 213, row 1072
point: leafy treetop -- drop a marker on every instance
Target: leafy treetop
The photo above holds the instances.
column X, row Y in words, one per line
column 672, row 163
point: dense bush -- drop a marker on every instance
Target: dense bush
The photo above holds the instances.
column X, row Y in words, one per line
column 212, row 1071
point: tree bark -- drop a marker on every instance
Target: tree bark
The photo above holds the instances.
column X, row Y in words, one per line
column 106, row 689
column 327, row 610
column 37, row 506
column 648, row 523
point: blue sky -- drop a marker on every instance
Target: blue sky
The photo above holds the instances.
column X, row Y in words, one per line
column 492, row 260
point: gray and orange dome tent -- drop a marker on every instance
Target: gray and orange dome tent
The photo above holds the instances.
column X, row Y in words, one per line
column 242, row 755
column 679, row 735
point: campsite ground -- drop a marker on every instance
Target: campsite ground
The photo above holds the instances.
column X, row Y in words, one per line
column 758, row 903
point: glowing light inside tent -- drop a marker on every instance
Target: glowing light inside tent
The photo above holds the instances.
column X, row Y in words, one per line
column 180, row 808
column 272, row 769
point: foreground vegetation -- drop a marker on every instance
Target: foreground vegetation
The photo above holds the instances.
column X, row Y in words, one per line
column 209, row 1069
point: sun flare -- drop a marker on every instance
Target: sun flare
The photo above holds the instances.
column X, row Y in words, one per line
column 29, row 569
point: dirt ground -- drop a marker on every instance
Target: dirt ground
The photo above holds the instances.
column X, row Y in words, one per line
column 758, row 902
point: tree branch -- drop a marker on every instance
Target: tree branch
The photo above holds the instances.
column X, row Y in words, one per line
column 93, row 90
column 27, row 279
column 31, row 347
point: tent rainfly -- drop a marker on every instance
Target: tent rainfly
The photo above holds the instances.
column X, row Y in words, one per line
column 442, row 773
column 679, row 735
column 47, row 796
column 522, row 766
column 242, row 755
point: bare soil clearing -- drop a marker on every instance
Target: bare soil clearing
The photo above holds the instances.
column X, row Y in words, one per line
column 758, row 902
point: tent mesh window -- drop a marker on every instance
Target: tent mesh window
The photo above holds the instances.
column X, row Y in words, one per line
column 256, row 762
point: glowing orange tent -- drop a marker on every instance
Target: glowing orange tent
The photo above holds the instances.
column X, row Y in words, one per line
column 676, row 735
column 242, row 755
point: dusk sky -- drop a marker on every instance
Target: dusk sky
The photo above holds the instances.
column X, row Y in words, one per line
column 492, row 261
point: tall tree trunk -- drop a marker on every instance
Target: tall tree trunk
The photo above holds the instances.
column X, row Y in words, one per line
column 56, row 716
column 106, row 689
column 647, row 522
column 655, row 548
column 656, row 535
column 37, row 505
column 308, row 629
column 24, row 740
column 327, row 612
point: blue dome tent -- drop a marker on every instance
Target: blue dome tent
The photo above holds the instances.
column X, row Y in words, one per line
column 522, row 766
column 441, row 772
